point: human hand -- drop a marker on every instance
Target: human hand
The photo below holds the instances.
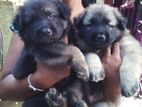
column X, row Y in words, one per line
column 111, row 62
column 45, row 77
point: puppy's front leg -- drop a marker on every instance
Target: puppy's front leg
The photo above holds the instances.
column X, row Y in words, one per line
column 78, row 62
column 131, row 67
column 59, row 55
column 130, row 71
column 75, row 94
column 55, row 98
column 25, row 65
column 72, row 96
column 95, row 67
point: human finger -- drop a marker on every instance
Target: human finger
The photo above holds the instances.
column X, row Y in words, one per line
column 116, row 50
column 108, row 52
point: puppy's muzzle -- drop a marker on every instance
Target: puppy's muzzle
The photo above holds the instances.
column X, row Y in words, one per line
column 46, row 31
column 101, row 37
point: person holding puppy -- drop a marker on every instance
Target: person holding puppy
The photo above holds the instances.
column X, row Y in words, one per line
column 44, row 78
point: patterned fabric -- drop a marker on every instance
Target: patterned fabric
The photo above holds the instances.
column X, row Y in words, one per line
column 128, row 10
column 138, row 25
column 1, row 49
column 132, row 10
column 138, row 31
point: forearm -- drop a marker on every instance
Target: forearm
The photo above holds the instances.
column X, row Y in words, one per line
column 111, row 91
column 14, row 51
column 111, row 83
column 12, row 89
column 43, row 78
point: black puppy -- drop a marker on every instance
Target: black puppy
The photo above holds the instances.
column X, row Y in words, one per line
column 42, row 25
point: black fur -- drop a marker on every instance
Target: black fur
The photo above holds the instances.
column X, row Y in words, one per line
column 38, row 27
column 86, row 3
column 42, row 25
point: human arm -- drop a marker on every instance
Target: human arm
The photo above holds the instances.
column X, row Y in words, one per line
column 111, row 83
column 75, row 6
column 13, row 89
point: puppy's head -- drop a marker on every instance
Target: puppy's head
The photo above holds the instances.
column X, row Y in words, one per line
column 100, row 26
column 42, row 21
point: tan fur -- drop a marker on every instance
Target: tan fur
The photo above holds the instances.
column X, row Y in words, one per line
column 131, row 53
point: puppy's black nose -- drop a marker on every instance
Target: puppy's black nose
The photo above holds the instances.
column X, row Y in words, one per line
column 47, row 31
column 101, row 37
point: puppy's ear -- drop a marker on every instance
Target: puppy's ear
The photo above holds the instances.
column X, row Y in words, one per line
column 64, row 10
column 86, row 3
column 78, row 21
column 121, row 21
column 23, row 18
column 17, row 22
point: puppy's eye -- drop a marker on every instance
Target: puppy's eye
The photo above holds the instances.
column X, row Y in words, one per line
column 88, row 25
column 51, row 17
column 110, row 25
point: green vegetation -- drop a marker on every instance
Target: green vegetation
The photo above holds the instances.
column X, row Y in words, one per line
column 6, row 16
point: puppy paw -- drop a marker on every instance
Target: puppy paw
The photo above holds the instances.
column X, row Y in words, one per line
column 78, row 62
column 81, row 104
column 96, row 74
column 54, row 98
column 129, row 83
column 82, row 71
column 129, row 78
column 130, row 88
column 96, row 69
